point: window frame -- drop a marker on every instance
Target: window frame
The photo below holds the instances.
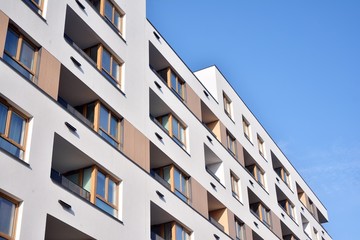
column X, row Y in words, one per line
column 170, row 130
column 283, row 173
column 96, row 122
column 289, row 208
column 239, row 227
column 39, row 7
column 99, row 62
column 246, row 128
column 231, row 142
column 107, row 178
column 261, row 145
column 235, row 185
column 260, row 210
column 173, row 225
column 101, row 11
column 15, row 217
column 254, row 170
column 22, row 38
column 227, row 105
column 5, row 135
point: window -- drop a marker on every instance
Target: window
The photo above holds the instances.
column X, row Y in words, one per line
column 176, row 181
column 13, row 126
column 174, row 82
column 288, row 207
column 36, row 5
column 234, row 185
column 110, row 13
column 106, row 62
column 227, row 105
column 170, row 231
column 8, row 211
column 257, row 173
column 246, row 126
column 231, row 143
column 262, row 212
column 239, row 229
column 106, row 123
column 104, row 192
column 283, row 174
column 20, row 53
column 174, row 127
column 261, row 146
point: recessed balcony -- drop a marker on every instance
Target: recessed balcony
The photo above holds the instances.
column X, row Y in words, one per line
column 214, row 165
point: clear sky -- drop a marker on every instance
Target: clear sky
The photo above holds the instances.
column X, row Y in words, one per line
column 296, row 64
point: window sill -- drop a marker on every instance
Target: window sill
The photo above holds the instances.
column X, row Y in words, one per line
column 36, row 12
column 237, row 198
column 263, row 156
column 248, row 138
column 19, row 160
column 230, row 117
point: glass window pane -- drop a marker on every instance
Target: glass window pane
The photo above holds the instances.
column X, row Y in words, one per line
column 106, row 59
column 175, row 127
column 112, row 192
column 12, row 149
column 108, row 10
column 108, row 138
column 166, row 172
column 11, row 43
column 87, row 179
column 173, row 81
column 74, row 178
column 27, row 55
column 117, row 20
column 177, row 179
column 7, row 212
column 17, row 67
column 183, row 185
column 104, row 117
column 165, row 122
column 17, row 128
column 179, row 89
column 104, row 206
column 3, row 115
column 179, row 232
column 90, row 112
column 115, row 70
column 114, row 127
column 100, row 184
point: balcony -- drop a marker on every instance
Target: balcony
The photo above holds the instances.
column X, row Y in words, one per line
column 164, row 225
column 76, row 172
column 214, row 165
column 211, row 122
column 58, row 230
column 218, row 214
column 287, row 234
column 254, row 169
column 285, row 204
column 168, row 121
column 166, row 172
column 259, row 209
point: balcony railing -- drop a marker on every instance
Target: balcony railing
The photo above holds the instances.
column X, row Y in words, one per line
column 60, row 179
column 212, row 174
column 160, row 179
column 74, row 112
column 216, row 223
column 154, row 236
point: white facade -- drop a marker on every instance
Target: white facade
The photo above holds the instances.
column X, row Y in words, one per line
column 46, row 209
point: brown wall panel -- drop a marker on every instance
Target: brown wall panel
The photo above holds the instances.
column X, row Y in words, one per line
column 231, row 224
column 240, row 153
column 223, row 134
column 199, row 198
column 49, row 73
column 4, row 22
column 248, row 233
column 276, row 225
column 193, row 102
column 136, row 146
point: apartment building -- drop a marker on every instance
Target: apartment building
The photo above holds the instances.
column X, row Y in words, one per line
column 106, row 134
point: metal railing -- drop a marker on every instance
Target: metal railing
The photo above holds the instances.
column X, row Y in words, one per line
column 60, row 179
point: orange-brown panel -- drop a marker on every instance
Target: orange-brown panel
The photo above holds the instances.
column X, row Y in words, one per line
column 276, row 225
column 4, row 22
column 199, row 198
column 223, row 134
column 136, row 146
column 193, row 102
column 49, row 73
column 240, row 153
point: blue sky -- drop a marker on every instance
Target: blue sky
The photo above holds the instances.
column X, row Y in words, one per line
column 296, row 64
